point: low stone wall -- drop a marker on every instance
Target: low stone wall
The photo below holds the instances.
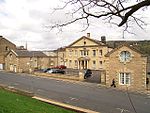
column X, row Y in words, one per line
column 61, row 76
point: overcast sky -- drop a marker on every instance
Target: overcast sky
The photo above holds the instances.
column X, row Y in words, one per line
column 24, row 21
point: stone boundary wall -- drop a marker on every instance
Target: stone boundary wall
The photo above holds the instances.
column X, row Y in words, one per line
column 61, row 76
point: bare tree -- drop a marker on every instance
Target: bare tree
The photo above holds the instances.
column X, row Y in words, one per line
column 106, row 10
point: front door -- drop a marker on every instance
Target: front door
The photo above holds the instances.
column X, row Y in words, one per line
column 15, row 68
column 11, row 67
column 1, row 66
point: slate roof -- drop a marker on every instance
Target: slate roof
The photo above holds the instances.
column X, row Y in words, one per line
column 50, row 53
column 25, row 53
column 2, row 38
column 127, row 45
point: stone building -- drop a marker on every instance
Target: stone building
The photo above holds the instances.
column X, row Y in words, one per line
column 25, row 61
column 52, row 55
column 61, row 56
column 86, row 53
column 127, row 66
column 5, row 46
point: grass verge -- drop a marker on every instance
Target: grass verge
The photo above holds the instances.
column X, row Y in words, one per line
column 14, row 103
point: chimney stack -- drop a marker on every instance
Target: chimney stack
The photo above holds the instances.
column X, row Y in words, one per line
column 26, row 46
column 103, row 39
column 88, row 35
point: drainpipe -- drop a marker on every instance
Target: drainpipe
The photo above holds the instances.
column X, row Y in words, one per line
column 57, row 58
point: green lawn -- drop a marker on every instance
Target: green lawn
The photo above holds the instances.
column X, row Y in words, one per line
column 14, row 103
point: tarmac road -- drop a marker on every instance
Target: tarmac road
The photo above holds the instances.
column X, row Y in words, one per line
column 86, row 95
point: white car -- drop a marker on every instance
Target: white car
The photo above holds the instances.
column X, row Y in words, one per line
column 56, row 71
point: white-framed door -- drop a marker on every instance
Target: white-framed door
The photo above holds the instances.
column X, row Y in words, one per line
column 11, row 67
column 1, row 67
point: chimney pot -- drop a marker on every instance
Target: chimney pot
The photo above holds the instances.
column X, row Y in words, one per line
column 88, row 35
column 103, row 39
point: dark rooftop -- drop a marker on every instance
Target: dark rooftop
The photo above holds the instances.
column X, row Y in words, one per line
column 25, row 53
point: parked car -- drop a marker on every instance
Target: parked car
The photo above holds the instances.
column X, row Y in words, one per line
column 47, row 69
column 54, row 70
column 60, row 67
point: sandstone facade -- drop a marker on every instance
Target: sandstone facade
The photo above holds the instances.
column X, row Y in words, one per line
column 129, row 73
column 25, row 61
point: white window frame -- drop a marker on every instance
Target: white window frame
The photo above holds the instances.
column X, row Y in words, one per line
column 100, row 52
column 81, row 52
column 70, row 52
column 76, row 53
column 75, row 63
column 100, row 64
column 84, row 53
column 94, row 64
column 124, row 78
column 125, row 56
column 94, row 52
column 70, row 63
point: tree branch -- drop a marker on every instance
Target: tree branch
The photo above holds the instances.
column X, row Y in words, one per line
column 134, row 9
column 104, row 8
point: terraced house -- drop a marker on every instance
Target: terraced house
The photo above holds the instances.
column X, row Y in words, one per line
column 5, row 46
column 25, row 61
